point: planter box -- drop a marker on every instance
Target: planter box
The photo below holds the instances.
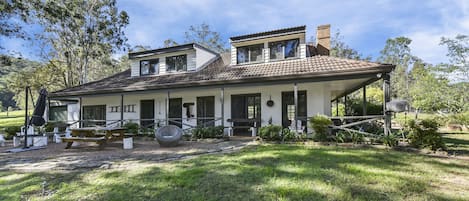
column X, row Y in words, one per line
column 128, row 143
column 40, row 141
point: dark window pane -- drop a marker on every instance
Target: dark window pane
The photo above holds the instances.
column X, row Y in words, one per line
column 144, row 67
column 243, row 54
column 154, row 66
column 148, row 67
column 284, row 49
column 276, row 50
column 94, row 115
column 58, row 113
column 250, row 53
column 176, row 63
column 291, row 47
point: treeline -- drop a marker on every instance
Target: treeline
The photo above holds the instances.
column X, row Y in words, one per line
column 80, row 37
column 427, row 87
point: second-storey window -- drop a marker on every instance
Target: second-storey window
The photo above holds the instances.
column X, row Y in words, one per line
column 252, row 53
column 284, row 49
column 176, row 63
column 149, row 67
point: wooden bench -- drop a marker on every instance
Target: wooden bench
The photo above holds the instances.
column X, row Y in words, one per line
column 69, row 140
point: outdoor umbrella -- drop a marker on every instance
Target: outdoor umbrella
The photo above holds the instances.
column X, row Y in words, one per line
column 37, row 119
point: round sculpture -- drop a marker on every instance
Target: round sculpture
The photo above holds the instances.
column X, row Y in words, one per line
column 169, row 136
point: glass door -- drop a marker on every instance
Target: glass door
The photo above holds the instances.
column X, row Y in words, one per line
column 206, row 111
column 147, row 113
column 175, row 112
column 245, row 112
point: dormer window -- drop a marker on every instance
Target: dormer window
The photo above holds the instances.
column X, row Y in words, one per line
column 284, row 49
column 176, row 63
column 149, row 67
column 249, row 54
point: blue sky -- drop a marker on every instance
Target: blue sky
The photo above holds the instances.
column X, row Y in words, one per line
column 364, row 25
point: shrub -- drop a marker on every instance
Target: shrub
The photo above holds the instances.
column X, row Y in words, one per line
column 208, row 132
column 270, row 132
column 424, row 134
column 320, row 124
column 340, row 136
column 390, row 140
column 131, row 127
column 288, row 135
column 11, row 131
column 357, row 138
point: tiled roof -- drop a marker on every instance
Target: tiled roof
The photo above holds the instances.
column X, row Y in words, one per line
column 268, row 33
column 221, row 73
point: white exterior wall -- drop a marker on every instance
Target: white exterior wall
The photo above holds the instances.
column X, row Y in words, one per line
column 318, row 101
column 234, row 59
column 202, row 57
column 135, row 68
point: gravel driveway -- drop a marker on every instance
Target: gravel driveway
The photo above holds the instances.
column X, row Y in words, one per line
column 88, row 155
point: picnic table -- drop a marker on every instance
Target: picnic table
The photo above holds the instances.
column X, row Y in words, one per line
column 100, row 135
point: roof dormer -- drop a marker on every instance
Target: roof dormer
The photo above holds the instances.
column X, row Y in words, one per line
column 177, row 59
column 275, row 45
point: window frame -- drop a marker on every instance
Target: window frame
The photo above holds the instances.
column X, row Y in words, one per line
column 99, row 110
column 150, row 62
column 184, row 68
column 283, row 45
column 249, row 53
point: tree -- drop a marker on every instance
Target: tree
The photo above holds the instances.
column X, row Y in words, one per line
column 169, row 43
column 36, row 77
column 82, row 34
column 426, row 90
column 342, row 50
column 458, row 53
column 397, row 52
column 13, row 9
column 203, row 35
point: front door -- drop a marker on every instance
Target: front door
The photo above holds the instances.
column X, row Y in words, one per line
column 175, row 112
column 245, row 112
column 205, row 111
column 147, row 113
column 288, row 108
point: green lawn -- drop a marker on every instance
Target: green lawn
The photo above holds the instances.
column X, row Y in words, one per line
column 14, row 118
column 457, row 143
column 264, row 172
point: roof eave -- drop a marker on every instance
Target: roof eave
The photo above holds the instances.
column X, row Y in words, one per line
column 311, row 77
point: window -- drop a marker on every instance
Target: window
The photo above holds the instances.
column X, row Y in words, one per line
column 58, row 113
column 94, row 115
column 176, row 63
column 248, row 54
column 284, row 49
column 149, row 67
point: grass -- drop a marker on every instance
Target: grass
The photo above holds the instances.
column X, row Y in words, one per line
column 457, row 143
column 14, row 118
column 265, row 172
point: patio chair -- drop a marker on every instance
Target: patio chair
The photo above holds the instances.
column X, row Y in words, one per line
column 299, row 129
column 169, row 136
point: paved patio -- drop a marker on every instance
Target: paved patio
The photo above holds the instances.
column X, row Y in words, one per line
column 89, row 156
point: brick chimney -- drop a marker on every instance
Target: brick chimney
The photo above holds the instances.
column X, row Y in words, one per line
column 323, row 39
